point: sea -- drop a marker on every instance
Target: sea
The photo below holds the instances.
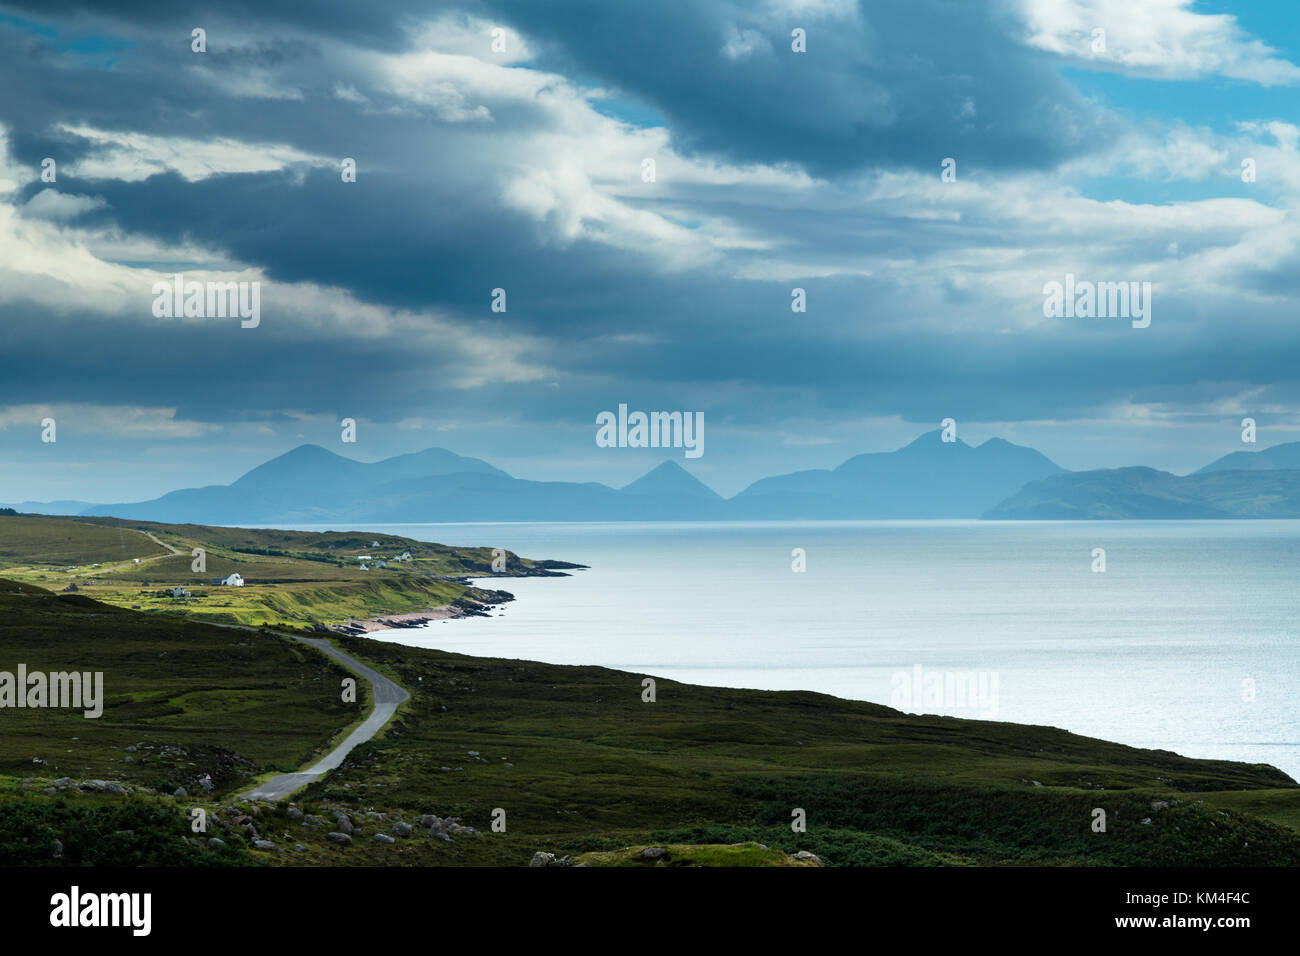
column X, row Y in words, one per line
column 1176, row 635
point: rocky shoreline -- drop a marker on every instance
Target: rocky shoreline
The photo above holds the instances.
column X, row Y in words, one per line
column 461, row 607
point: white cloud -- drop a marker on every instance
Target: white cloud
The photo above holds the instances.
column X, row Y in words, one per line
column 103, row 420
column 743, row 43
column 1158, row 38
column 473, row 37
column 52, row 204
column 135, row 156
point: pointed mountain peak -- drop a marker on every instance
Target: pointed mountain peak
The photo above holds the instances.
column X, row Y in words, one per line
column 669, row 478
column 295, row 464
column 932, row 439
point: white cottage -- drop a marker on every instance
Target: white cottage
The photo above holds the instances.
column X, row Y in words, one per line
column 234, row 581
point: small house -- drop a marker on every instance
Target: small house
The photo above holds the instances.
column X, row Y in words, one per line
column 364, row 567
column 234, row 581
column 178, row 593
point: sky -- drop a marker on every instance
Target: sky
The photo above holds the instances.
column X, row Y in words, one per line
column 503, row 144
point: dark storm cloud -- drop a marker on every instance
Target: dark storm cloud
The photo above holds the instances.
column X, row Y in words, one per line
column 426, row 226
column 375, row 22
column 901, row 84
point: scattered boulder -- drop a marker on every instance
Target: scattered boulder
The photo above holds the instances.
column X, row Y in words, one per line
column 103, row 786
column 384, row 838
column 654, row 853
column 810, row 857
column 216, row 843
column 263, row 845
column 402, row 829
column 293, row 813
column 311, row 820
column 342, row 839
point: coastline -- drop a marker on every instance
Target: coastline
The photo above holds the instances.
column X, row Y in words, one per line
column 459, row 608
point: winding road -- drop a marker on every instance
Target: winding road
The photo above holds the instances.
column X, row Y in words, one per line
column 387, row 696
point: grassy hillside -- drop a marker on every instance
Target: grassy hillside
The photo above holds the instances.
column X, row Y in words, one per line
column 581, row 765
column 187, row 698
column 31, row 540
column 293, row 578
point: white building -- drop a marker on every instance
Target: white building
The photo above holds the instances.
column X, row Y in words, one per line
column 234, row 581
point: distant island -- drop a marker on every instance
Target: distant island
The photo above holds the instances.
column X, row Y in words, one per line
column 926, row 479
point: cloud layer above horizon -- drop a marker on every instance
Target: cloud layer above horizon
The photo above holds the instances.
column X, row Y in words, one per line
column 501, row 144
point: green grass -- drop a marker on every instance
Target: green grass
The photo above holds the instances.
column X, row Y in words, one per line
column 58, row 541
column 575, row 758
column 682, row 854
column 233, row 700
column 595, row 768
column 294, row 578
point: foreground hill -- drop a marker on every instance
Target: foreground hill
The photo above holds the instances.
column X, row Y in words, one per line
column 290, row 578
column 578, row 762
column 1146, row 493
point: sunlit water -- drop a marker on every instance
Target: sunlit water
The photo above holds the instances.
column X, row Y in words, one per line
column 1161, row 650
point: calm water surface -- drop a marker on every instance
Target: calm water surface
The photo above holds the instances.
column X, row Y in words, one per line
column 1161, row 650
